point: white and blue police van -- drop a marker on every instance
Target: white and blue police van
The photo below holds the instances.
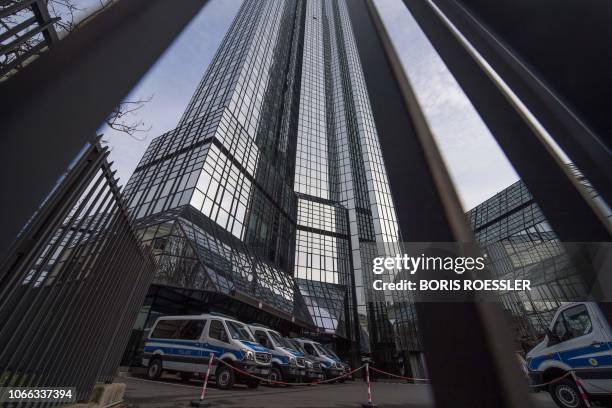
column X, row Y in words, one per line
column 183, row 344
column 288, row 364
column 578, row 339
column 331, row 366
column 314, row 372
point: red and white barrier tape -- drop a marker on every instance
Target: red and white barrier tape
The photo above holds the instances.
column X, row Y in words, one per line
column 583, row 394
column 398, row 376
column 345, row 375
column 551, row 382
column 267, row 380
column 427, row 379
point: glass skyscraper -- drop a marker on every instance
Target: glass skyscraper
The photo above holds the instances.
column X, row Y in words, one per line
column 270, row 198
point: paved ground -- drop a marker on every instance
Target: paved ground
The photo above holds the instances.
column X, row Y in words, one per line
column 169, row 392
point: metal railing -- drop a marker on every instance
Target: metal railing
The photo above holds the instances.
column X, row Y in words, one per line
column 26, row 30
column 73, row 284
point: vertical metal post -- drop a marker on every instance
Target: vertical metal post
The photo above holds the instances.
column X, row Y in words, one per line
column 585, row 148
column 428, row 210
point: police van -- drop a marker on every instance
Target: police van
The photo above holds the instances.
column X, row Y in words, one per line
column 183, row 344
column 314, row 372
column 578, row 339
column 331, row 366
column 288, row 364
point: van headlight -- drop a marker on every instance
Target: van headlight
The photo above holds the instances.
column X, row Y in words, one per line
column 248, row 354
column 292, row 361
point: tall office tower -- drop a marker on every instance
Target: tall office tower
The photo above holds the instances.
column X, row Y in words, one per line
column 269, row 200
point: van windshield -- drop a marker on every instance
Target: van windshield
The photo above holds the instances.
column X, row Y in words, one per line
column 297, row 346
column 322, row 350
column 239, row 331
column 279, row 340
column 330, row 352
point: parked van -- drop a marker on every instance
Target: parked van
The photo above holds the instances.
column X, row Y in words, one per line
column 314, row 371
column 347, row 366
column 579, row 339
column 288, row 364
column 332, row 368
column 183, row 344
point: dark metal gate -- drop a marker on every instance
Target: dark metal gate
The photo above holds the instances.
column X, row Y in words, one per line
column 73, row 284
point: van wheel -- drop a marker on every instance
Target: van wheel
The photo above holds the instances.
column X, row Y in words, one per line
column 155, row 368
column 566, row 395
column 252, row 384
column 275, row 375
column 224, row 376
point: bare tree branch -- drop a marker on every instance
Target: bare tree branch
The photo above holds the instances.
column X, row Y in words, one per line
column 119, row 118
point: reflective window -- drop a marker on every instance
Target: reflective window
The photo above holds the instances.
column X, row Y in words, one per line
column 217, row 331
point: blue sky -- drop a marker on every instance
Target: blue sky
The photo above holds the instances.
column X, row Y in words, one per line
column 474, row 160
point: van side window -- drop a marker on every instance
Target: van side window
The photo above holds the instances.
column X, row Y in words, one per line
column 578, row 322
column 168, row 329
column 560, row 329
column 192, row 330
column 217, row 331
column 309, row 349
column 261, row 338
column 178, row 329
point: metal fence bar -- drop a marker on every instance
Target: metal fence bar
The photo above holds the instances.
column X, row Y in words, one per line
column 428, row 210
column 567, row 206
column 90, row 72
column 71, row 289
column 39, row 8
column 10, row 47
column 584, row 147
column 565, row 202
column 16, row 29
column 15, row 8
column 37, row 49
column 41, row 308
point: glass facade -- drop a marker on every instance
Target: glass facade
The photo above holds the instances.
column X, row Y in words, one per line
column 273, row 185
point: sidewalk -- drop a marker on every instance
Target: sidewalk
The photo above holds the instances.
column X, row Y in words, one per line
column 171, row 392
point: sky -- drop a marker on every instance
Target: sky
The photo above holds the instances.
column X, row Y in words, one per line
column 475, row 162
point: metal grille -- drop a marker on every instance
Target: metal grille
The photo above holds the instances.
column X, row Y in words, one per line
column 72, row 285
column 263, row 357
column 26, row 31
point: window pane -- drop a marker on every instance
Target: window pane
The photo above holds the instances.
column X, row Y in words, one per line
column 578, row 321
column 217, row 331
